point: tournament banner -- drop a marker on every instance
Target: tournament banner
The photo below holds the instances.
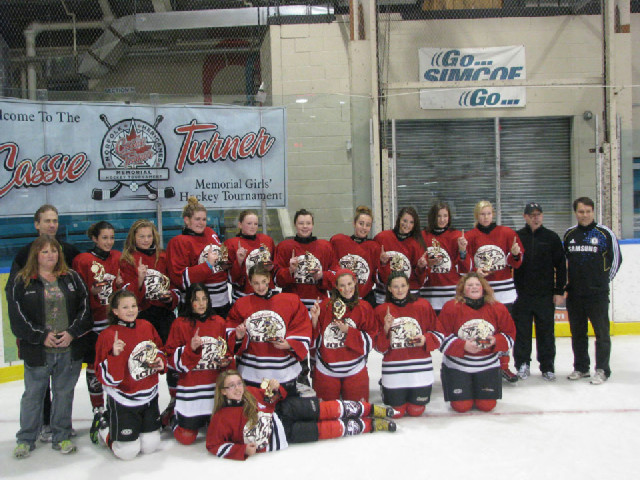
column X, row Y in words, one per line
column 85, row 157
column 472, row 65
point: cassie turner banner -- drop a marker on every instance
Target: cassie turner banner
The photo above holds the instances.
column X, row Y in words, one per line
column 84, row 157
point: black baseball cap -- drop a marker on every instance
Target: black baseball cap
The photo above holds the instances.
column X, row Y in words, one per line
column 530, row 207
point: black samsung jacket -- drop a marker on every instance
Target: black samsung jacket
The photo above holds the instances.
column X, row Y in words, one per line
column 543, row 270
column 28, row 319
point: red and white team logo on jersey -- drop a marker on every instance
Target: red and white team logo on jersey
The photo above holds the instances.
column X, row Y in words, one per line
column 260, row 433
column 140, row 358
column 443, row 260
column 357, row 265
column 333, row 336
column 477, row 330
column 265, row 326
column 213, row 351
column 490, row 258
column 403, row 331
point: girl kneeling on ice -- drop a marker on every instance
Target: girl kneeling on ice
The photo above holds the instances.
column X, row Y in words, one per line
column 128, row 361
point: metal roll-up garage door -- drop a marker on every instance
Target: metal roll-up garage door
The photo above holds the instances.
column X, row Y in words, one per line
column 535, row 167
column 457, row 161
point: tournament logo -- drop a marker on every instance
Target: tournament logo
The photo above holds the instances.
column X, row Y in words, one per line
column 217, row 249
column 357, row 265
column 400, row 262
column 308, row 266
column 490, row 258
column 133, row 155
column 333, row 336
column 258, row 255
column 403, row 331
column 139, row 361
column 265, row 326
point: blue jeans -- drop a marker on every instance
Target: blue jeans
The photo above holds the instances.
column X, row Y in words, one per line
column 64, row 373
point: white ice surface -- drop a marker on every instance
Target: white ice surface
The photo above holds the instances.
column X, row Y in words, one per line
column 539, row 430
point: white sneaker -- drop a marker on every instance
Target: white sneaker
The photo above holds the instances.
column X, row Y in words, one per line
column 549, row 376
column 523, row 371
column 577, row 375
column 599, row 377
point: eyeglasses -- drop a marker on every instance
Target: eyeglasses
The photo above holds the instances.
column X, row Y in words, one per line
column 233, row 385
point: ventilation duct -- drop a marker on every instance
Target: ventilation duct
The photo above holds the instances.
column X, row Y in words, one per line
column 107, row 51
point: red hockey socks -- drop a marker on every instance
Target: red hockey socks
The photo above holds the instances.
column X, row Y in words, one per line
column 185, row 436
column 335, row 409
column 485, row 405
column 462, row 406
column 330, row 428
column 415, row 410
column 504, row 362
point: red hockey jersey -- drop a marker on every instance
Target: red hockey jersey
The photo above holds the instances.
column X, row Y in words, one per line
column 281, row 316
column 127, row 378
column 147, row 294
column 301, row 282
column 403, row 364
column 255, row 250
column 343, row 354
column 409, row 251
column 458, row 322
column 492, row 251
column 228, row 433
column 442, row 278
column 89, row 266
column 198, row 370
column 186, row 257
column 362, row 258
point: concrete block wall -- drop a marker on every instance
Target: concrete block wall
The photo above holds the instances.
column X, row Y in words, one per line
column 311, row 62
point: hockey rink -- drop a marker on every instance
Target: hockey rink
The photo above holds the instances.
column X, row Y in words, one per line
column 542, row 430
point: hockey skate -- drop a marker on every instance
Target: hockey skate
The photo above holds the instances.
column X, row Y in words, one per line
column 383, row 425
column 381, row 411
column 165, row 416
column 100, row 422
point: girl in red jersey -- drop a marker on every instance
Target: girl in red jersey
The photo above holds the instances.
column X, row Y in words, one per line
column 196, row 256
column 447, row 257
column 343, row 329
column 305, row 264
column 144, row 270
column 128, row 361
column 246, row 249
column 197, row 349
column 359, row 253
column 477, row 329
column 495, row 251
column 100, row 271
column 250, row 420
column 402, row 248
column 407, row 333
column 269, row 332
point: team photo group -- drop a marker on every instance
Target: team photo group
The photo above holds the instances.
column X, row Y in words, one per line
column 264, row 345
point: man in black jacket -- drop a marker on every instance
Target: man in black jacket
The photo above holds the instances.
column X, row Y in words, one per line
column 540, row 282
column 593, row 257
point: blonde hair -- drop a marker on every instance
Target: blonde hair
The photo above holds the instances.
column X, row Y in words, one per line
column 192, row 206
column 249, row 403
column 482, row 204
column 31, row 267
column 130, row 242
column 486, row 288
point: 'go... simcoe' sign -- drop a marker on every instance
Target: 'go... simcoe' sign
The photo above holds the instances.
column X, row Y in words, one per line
column 472, row 65
column 97, row 157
